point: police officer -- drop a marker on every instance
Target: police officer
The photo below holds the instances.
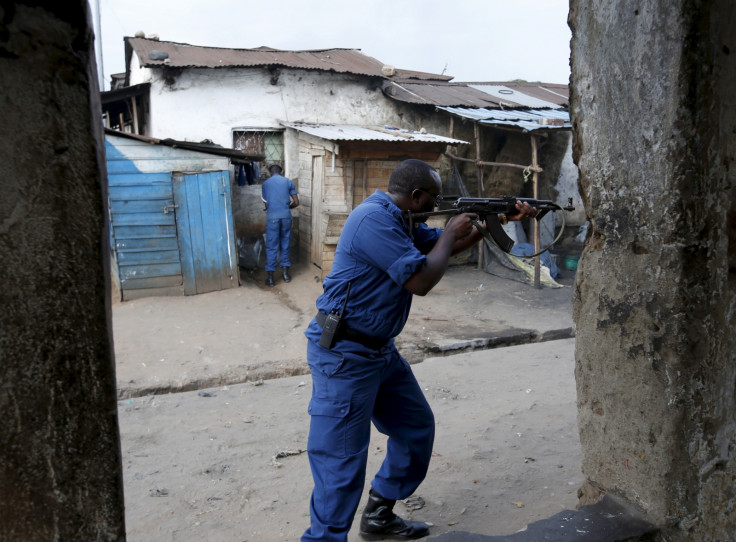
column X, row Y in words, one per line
column 280, row 196
column 358, row 376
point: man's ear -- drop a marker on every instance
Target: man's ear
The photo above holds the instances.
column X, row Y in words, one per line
column 415, row 196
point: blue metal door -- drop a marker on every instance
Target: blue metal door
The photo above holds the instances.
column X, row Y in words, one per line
column 205, row 232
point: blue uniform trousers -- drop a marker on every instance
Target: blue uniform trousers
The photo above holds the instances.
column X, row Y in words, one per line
column 278, row 237
column 349, row 390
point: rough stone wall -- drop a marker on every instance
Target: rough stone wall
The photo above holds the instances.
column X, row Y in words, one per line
column 653, row 107
column 60, row 468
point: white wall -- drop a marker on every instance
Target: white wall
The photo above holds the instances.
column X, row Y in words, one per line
column 138, row 75
column 210, row 103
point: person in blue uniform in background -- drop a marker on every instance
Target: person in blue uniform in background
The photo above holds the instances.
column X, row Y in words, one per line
column 358, row 376
column 280, row 196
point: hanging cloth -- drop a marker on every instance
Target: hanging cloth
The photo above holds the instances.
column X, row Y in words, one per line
column 256, row 172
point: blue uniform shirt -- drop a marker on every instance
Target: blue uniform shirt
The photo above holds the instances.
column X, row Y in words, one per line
column 377, row 255
column 277, row 190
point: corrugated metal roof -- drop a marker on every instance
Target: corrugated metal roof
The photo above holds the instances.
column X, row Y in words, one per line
column 348, row 132
column 514, row 98
column 500, row 95
column 208, row 148
column 530, row 119
column 558, row 94
column 438, row 94
column 156, row 53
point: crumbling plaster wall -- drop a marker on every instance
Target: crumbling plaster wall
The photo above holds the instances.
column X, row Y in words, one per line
column 199, row 103
column 653, row 108
column 60, row 467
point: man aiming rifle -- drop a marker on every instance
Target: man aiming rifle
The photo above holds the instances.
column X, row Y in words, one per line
column 358, row 376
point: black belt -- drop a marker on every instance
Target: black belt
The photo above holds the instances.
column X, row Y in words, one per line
column 348, row 334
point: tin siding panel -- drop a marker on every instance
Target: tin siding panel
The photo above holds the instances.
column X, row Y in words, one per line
column 151, row 233
column 146, row 257
column 183, row 221
column 211, row 269
column 143, row 228
column 205, row 236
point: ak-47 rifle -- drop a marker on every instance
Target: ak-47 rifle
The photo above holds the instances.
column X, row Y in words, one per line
column 495, row 211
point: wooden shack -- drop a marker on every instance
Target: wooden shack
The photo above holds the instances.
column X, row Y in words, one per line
column 339, row 167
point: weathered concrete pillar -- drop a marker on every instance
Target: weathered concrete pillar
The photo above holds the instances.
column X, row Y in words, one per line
column 654, row 112
column 60, row 467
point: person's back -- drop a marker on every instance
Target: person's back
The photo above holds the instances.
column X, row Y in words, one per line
column 277, row 190
column 280, row 196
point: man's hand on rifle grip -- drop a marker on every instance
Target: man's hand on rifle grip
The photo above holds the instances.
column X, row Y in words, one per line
column 525, row 211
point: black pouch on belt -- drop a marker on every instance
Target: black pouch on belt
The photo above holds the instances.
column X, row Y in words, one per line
column 332, row 324
column 329, row 330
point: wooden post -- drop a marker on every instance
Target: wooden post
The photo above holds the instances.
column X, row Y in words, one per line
column 535, row 178
column 479, row 170
column 478, row 166
column 135, row 115
column 349, row 186
column 365, row 178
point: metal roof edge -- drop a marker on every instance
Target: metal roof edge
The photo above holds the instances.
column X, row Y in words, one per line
column 109, row 96
column 354, row 132
column 360, row 64
column 207, row 148
column 262, row 48
column 526, row 119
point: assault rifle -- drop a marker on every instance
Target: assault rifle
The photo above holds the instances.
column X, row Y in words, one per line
column 495, row 212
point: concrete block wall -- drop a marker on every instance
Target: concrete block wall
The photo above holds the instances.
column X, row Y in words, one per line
column 653, row 108
column 60, row 464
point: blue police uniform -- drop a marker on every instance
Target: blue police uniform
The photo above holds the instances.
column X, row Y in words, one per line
column 277, row 191
column 363, row 378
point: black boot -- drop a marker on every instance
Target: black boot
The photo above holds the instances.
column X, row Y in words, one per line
column 269, row 278
column 287, row 277
column 379, row 522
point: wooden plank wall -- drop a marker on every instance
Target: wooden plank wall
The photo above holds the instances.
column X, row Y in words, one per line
column 360, row 168
column 370, row 175
column 303, row 182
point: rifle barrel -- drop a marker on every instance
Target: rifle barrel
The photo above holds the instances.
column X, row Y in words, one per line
column 486, row 206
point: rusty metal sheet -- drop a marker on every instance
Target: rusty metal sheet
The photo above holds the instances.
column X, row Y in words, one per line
column 444, row 94
column 156, row 53
column 495, row 95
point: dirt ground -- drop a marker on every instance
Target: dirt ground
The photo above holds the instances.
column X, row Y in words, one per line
column 223, row 458
column 254, row 332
